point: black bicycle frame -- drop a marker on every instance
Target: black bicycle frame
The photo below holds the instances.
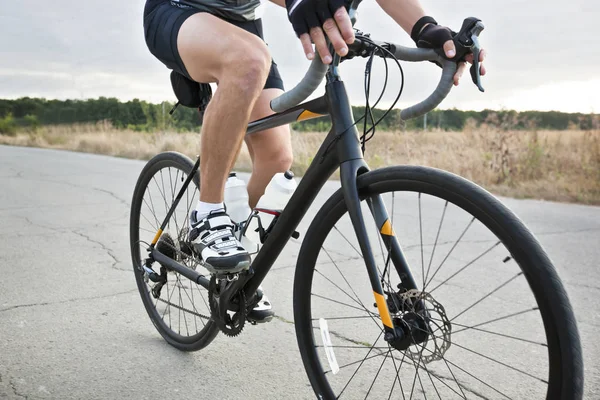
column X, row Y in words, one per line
column 341, row 148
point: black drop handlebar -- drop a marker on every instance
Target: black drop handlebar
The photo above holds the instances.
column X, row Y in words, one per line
column 466, row 41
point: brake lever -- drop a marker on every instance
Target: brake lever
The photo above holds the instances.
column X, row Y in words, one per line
column 467, row 41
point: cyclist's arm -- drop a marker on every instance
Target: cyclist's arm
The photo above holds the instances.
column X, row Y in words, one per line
column 407, row 12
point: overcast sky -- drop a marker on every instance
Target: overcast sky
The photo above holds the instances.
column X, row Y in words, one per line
column 543, row 54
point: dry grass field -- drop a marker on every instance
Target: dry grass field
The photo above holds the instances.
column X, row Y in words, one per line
column 551, row 165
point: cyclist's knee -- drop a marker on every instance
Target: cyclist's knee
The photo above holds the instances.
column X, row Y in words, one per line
column 249, row 69
column 284, row 161
column 275, row 159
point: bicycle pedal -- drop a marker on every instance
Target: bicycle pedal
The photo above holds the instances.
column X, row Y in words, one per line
column 260, row 316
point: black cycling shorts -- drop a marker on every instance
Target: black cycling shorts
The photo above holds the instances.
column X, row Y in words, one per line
column 161, row 27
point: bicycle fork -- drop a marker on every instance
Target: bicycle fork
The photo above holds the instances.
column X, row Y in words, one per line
column 397, row 332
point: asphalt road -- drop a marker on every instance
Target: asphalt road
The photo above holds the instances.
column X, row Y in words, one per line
column 72, row 324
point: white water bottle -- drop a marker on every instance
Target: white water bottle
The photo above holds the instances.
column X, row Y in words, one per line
column 236, row 199
column 278, row 192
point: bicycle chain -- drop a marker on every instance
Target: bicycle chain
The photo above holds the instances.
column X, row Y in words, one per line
column 183, row 308
column 446, row 328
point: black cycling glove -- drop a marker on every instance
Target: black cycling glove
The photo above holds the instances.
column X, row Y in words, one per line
column 307, row 14
column 432, row 36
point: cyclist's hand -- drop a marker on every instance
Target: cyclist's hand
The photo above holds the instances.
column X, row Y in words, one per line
column 313, row 20
column 434, row 37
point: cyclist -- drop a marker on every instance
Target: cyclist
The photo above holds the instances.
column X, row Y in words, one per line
column 222, row 41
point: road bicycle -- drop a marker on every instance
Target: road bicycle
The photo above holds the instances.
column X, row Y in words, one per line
column 411, row 282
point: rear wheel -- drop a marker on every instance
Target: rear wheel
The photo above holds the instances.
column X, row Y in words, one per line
column 178, row 307
column 496, row 318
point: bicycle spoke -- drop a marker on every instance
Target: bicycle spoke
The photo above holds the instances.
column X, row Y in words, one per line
column 153, row 214
column 455, row 380
column 474, row 377
column 344, row 304
column 334, row 318
column 504, row 317
column 421, row 236
column 417, row 376
column 361, row 363
column 471, row 375
column 429, row 374
column 357, row 300
column 487, row 295
column 499, row 362
column 180, row 305
column 357, row 361
column 173, row 198
column 181, row 302
column 437, row 236
column 442, row 381
column 153, row 210
column 164, row 192
column 465, row 267
column 188, row 296
column 397, row 378
column 466, row 328
column 194, row 304
column 168, row 303
column 377, row 374
column 449, row 253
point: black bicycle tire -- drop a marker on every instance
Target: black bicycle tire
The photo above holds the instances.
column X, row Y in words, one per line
column 210, row 331
column 564, row 347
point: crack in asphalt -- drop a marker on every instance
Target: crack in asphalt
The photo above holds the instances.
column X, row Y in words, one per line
column 581, row 285
column 77, row 299
column 30, row 222
column 104, row 247
column 568, row 231
column 14, row 389
column 78, row 186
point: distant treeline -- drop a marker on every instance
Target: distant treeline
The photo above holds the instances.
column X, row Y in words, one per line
column 144, row 116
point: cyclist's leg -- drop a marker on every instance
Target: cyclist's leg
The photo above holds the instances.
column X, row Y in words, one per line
column 270, row 150
column 213, row 50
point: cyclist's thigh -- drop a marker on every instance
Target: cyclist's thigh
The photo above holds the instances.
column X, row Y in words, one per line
column 211, row 47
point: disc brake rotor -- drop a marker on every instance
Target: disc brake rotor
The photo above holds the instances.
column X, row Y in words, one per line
column 439, row 327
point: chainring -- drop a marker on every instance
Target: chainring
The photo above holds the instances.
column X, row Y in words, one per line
column 439, row 340
column 231, row 323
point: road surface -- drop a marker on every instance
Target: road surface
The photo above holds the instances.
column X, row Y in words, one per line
column 72, row 324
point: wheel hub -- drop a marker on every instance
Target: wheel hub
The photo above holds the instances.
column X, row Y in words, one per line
column 423, row 330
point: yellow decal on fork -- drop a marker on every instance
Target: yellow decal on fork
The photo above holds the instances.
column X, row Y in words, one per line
column 157, row 236
column 386, row 229
column 308, row 115
column 384, row 313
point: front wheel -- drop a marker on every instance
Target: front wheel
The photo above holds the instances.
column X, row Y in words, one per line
column 496, row 320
